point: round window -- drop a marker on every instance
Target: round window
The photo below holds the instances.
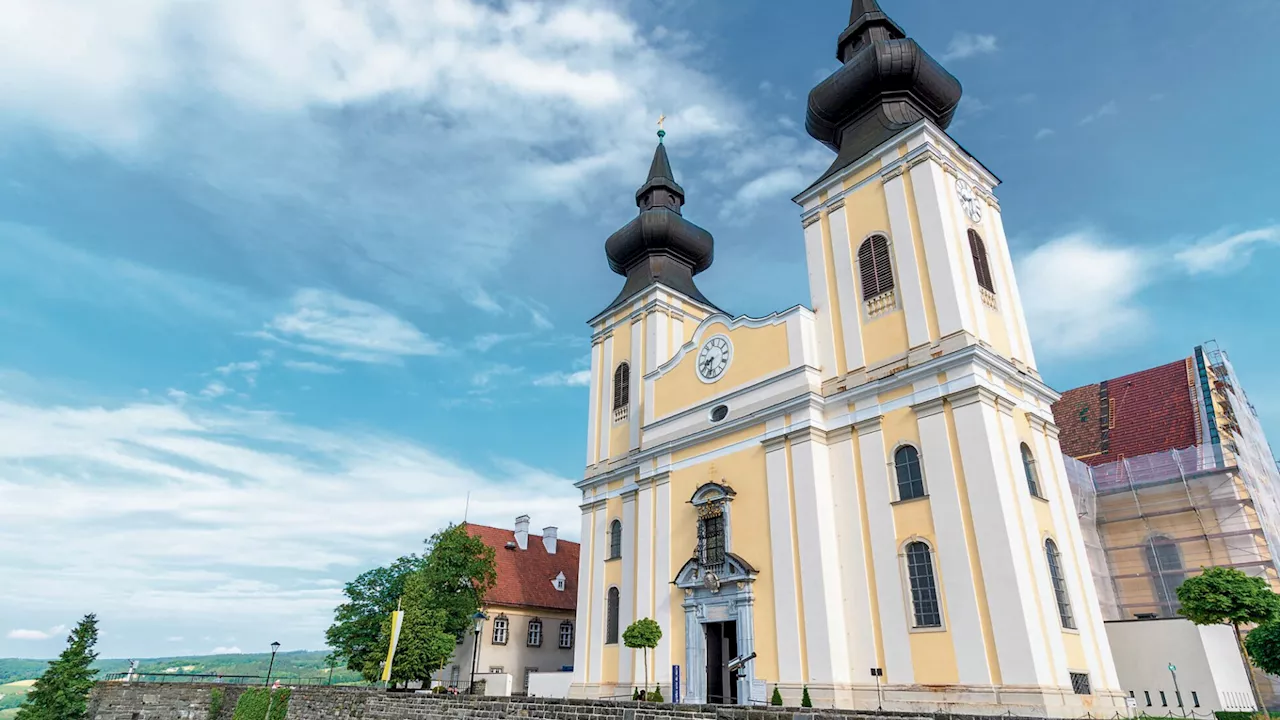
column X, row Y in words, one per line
column 719, row 413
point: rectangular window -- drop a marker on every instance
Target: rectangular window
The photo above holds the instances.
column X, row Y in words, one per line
column 1147, row 693
column 500, row 631
column 924, row 589
column 1164, row 702
column 1080, row 684
column 535, row 633
column 454, row 673
column 711, row 532
column 495, row 670
column 1195, row 699
column 1177, row 695
column 566, row 635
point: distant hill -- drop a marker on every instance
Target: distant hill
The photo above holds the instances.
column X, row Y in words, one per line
column 299, row 664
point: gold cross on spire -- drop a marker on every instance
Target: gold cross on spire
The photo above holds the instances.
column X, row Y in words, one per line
column 661, row 119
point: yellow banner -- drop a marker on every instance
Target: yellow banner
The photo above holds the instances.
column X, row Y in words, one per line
column 396, row 617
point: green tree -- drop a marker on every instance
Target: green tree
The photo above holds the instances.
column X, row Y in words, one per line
column 355, row 633
column 62, row 692
column 1263, row 644
column 644, row 634
column 424, row 645
column 776, row 700
column 804, row 698
column 458, row 570
column 1225, row 596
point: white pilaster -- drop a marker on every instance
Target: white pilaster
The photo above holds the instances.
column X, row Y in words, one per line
column 964, row 619
column 855, row 581
column 593, row 412
column 635, row 383
column 884, row 555
column 904, row 256
column 1075, row 559
column 965, row 271
column 937, row 231
column 846, row 290
column 582, row 622
column 662, row 577
column 821, row 298
column 598, row 544
column 1042, row 583
column 644, row 551
column 1015, row 617
column 826, row 641
column 627, row 588
column 1014, row 309
column 606, row 398
column 786, row 609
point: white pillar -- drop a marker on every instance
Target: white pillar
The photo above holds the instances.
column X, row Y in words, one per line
column 884, row 554
column 582, row 623
column 627, row 587
column 846, row 289
column 1015, row 616
column 594, row 424
column 826, row 642
column 634, row 385
column 785, row 607
column 904, row 257
column 855, row 580
column 606, row 397
column 937, row 230
column 945, row 498
column 599, row 543
column 662, row 577
column 821, row 296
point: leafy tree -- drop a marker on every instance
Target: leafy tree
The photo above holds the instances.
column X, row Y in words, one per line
column 354, row 635
column 804, row 699
column 458, row 570
column 777, row 697
column 645, row 634
column 1227, row 596
column 424, row 646
column 1263, row 644
column 62, row 692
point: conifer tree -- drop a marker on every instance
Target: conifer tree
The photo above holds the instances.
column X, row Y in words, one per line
column 62, row 692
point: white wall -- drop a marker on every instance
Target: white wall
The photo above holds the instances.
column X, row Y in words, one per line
column 550, row 684
column 1207, row 661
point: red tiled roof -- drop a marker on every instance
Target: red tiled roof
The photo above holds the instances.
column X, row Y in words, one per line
column 1150, row 411
column 527, row 577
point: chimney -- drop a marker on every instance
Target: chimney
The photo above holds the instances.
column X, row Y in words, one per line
column 522, row 532
column 549, row 539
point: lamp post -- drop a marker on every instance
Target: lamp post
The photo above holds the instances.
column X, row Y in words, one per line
column 1177, row 693
column 479, row 619
column 274, row 647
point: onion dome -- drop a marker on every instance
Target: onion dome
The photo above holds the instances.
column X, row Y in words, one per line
column 887, row 84
column 659, row 246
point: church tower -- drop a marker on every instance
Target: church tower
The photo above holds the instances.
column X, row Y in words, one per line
column 865, row 497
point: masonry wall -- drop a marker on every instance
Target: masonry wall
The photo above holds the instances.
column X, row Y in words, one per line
column 189, row 701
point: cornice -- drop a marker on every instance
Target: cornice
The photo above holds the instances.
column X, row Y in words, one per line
column 640, row 309
column 969, row 396
column 868, row 426
column 731, row 324
column 929, row 408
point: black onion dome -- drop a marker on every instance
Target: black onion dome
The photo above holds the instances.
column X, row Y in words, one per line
column 887, row 83
column 659, row 246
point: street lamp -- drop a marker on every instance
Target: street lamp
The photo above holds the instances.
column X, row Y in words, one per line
column 479, row 619
column 274, row 647
column 1177, row 693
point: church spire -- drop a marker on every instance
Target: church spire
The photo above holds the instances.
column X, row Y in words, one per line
column 660, row 246
column 886, row 84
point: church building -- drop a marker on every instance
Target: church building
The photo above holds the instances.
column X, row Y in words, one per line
column 864, row 497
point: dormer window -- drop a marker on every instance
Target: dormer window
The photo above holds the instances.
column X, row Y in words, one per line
column 559, row 582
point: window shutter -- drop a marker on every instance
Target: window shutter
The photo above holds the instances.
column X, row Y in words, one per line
column 875, row 266
column 981, row 267
column 621, row 386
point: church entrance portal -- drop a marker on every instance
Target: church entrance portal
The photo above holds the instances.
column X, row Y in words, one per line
column 722, row 646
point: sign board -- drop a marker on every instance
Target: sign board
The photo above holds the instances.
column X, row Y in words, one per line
column 1131, row 703
column 396, row 618
column 759, row 691
column 675, row 683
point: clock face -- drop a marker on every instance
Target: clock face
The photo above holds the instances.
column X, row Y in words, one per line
column 713, row 358
column 969, row 201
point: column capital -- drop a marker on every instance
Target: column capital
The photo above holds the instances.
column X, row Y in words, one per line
column 835, row 205
column 806, row 434
column 811, row 218
column 893, row 173
column 775, row 442
column 1047, row 427
column 928, row 408
column 868, row 426
column 1005, row 405
column 840, row 435
column 972, row 395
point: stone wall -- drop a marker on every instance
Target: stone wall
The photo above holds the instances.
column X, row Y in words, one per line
column 174, row 701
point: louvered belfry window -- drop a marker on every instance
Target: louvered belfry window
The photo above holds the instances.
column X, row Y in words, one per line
column 621, row 387
column 874, row 266
column 980, row 265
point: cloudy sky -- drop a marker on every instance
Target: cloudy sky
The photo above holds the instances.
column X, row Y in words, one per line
column 281, row 281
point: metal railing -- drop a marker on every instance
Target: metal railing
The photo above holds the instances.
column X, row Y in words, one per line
column 211, row 678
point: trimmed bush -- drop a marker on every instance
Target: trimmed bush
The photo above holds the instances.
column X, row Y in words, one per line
column 804, row 699
column 656, row 696
column 216, row 697
column 1234, row 715
column 253, row 704
column 777, row 697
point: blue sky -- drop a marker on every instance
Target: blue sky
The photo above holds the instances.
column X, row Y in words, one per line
column 281, row 281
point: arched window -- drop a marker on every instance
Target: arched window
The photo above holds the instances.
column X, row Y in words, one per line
column 621, row 390
column 874, row 267
column 535, row 633
column 910, row 479
column 566, row 635
column 1059, row 581
column 500, row 630
column 615, row 540
column 1029, row 468
column 1164, row 562
column 980, row 265
column 611, row 618
column 924, row 589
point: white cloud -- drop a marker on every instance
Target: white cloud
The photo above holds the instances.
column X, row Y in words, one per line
column 209, row 501
column 1109, row 108
column 233, row 650
column 20, row 634
column 215, row 389
column 1223, row 252
column 250, row 366
column 311, row 367
column 326, row 323
column 1043, row 133
column 966, row 45
column 578, row 378
column 1080, row 294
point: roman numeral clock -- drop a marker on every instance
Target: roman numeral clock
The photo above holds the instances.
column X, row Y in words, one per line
column 714, row 358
